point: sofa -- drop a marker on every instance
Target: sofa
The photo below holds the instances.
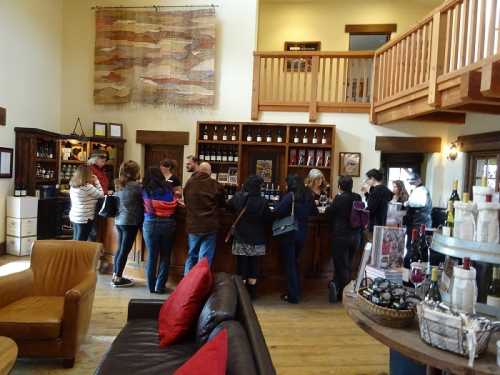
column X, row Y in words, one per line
column 46, row 309
column 136, row 349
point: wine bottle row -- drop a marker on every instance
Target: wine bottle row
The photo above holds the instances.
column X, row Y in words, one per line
column 219, row 133
column 310, row 158
column 268, row 135
column 45, row 150
column 224, row 154
column 305, row 137
column 43, row 173
column 270, row 194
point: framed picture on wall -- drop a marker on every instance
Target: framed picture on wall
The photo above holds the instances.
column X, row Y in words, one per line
column 300, row 64
column 350, row 164
column 232, row 176
column 6, row 162
column 115, row 130
column 100, row 129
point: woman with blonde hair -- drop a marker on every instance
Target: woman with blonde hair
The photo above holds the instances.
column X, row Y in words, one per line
column 316, row 182
column 128, row 219
column 84, row 192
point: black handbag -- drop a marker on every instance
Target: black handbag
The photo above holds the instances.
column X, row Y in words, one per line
column 286, row 224
column 109, row 207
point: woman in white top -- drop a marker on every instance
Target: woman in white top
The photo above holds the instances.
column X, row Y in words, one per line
column 84, row 192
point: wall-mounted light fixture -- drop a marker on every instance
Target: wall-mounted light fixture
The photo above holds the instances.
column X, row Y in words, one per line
column 452, row 150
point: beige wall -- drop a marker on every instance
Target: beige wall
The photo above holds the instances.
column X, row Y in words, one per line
column 324, row 20
column 30, row 72
column 236, row 34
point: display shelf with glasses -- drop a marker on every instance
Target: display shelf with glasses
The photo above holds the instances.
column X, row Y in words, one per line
column 265, row 148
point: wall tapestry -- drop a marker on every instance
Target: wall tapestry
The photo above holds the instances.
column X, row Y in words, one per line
column 155, row 57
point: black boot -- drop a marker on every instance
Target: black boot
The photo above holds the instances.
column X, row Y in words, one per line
column 252, row 290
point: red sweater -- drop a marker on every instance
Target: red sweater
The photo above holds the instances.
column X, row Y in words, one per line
column 101, row 176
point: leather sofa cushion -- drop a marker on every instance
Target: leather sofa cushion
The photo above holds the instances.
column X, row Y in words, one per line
column 32, row 318
column 220, row 306
column 240, row 360
column 136, row 350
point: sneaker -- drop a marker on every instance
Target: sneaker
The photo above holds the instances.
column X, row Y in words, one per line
column 122, row 282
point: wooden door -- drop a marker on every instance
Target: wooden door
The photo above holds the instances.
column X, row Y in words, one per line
column 156, row 153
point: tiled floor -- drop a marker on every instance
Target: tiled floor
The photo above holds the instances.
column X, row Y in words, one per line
column 312, row 338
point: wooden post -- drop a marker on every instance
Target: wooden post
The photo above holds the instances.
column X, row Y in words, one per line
column 490, row 79
column 437, row 55
column 255, row 87
column 374, row 89
column 313, row 103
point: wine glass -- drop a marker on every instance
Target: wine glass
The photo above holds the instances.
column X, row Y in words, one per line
column 417, row 274
column 323, row 200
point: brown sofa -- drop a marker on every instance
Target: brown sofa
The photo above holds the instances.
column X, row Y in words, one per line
column 46, row 309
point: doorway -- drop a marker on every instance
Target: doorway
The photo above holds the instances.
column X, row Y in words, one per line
column 401, row 167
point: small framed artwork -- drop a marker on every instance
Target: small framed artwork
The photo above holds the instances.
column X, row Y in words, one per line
column 232, row 176
column 6, row 162
column 223, row 178
column 115, row 130
column 350, row 164
column 100, row 129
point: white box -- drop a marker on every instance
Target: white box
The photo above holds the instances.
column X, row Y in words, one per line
column 21, row 227
column 22, row 207
column 20, row 246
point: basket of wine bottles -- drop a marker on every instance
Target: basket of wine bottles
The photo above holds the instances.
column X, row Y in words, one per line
column 388, row 304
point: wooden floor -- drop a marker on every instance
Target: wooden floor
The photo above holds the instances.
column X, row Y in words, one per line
column 312, row 338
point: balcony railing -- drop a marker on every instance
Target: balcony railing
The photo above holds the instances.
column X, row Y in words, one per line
column 440, row 64
column 312, row 82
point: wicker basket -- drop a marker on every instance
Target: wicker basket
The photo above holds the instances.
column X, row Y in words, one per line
column 384, row 316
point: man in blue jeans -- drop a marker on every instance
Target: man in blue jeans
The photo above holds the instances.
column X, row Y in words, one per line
column 203, row 196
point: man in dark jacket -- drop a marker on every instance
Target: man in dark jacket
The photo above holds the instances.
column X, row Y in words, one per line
column 345, row 239
column 377, row 197
column 203, row 196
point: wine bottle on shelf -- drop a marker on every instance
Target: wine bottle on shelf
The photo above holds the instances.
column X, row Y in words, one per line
column 230, row 156
column 259, row 135
column 305, row 139
column 269, row 136
column 433, row 293
column 323, row 138
column 235, row 155
column 224, row 133
column 218, row 155
column 233, row 134
column 454, row 197
column 493, row 298
column 450, row 218
column 268, row 193
column 296, row 136
column 201, row 153
column 279, row 137
column 215, row 136
column 212, row 154
column 249, row 135
column 224, row 155
column 315, row 137
column 205, row 133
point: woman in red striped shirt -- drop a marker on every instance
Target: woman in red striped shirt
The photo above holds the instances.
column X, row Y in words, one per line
column 158, row 229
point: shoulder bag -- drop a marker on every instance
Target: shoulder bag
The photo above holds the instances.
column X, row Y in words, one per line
column 109, row 207
column 231, row 231
column 286, row 224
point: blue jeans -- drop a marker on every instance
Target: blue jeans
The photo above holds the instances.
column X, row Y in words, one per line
column 159, row 235
column 200, row 246
column 81, row 232
column 126, row 239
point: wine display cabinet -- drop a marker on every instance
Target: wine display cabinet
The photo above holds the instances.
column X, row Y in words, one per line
column 273, row 150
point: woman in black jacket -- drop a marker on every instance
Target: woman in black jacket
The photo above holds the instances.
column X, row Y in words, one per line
column 345, row 239
column 377, row 197
column 250, row 232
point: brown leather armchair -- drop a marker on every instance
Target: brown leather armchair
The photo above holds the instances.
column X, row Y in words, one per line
column 46, row 309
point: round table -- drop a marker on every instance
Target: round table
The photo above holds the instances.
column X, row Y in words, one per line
column 407, row 341
column 8, row 355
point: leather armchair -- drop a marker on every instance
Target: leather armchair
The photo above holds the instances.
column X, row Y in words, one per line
column 46, row 309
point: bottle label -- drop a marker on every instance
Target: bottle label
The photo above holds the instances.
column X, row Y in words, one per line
column 259, row 139
column 493, row 301
column 205, row 137
column 268, row 139
column 315, row 140
column 280, row 140
column 295, row 140
column 215, row 138
column 323, row 141
column 224, row 137
column 305, row 140
column 236, row 159
column 249, row 139
column 224, row 158
column 233, row 138
column 202, row 157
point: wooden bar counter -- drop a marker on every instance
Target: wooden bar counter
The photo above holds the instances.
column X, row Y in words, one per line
column 315, row 260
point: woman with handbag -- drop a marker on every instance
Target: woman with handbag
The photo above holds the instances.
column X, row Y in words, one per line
column 249, row 230
column 128, row 218
column 293, row 212
column 160, row 204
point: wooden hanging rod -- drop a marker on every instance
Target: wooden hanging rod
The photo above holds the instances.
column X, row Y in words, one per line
column 156, row 7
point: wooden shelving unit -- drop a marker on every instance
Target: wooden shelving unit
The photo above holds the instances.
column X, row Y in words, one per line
column 249, row 152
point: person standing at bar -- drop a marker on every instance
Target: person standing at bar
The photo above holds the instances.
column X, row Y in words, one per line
column 249, row 241
column 85, row 190
column 345, row 239
column 292, row 243
column 97, row 161
column 128, row 219
column 400, row 193
column 168, row 168
column 377, row 197
column 159, row 225
column 316, row 182
column 203, row 196
column 192, row 164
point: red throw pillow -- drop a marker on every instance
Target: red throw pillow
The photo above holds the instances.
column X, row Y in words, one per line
column 212, row 358
column 180, row 311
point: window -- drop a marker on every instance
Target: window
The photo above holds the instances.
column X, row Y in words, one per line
column 301, row 64
column 367, row 42
column 484, row 164
column 403, row 174
column 400, row 167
